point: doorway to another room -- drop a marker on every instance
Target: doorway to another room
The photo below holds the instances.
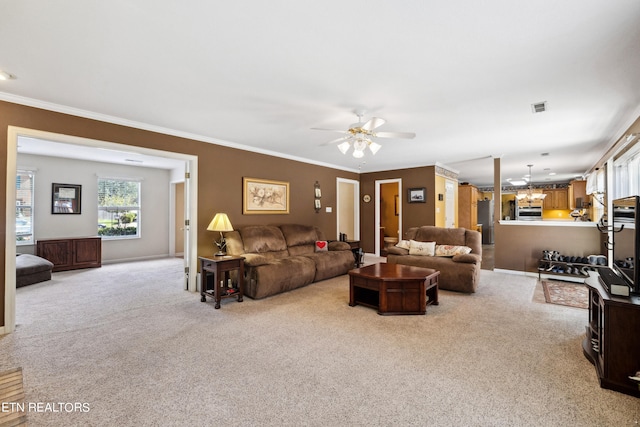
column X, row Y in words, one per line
column 388, row 214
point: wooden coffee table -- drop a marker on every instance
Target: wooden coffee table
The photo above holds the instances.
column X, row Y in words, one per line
column 394, row 288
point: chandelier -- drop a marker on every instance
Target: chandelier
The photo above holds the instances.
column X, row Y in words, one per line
column 530, row 195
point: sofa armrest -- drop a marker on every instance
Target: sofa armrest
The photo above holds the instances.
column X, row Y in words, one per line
column 339, row 246
column 397, row 251
column 467, row 258
column 254, row 260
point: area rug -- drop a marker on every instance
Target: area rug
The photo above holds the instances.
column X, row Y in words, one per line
column 565, row 293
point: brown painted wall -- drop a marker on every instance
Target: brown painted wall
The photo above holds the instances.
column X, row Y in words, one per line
column 220, row 172
column 519, row 247
column 413, row 214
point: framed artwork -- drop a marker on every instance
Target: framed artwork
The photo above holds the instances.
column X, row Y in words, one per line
column 66, row 198
column 417, row 195
column 263, row 196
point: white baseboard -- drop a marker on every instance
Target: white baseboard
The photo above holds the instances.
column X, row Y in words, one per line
column 144, row 258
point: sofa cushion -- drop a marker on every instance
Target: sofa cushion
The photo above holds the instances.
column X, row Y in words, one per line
column 322, row 246
column 331, row 263
column 421, row 248
column 451, row 250
column 442, row 236
column 404, row 244
column 296, row 234
column 264, row 239
column 276, row 276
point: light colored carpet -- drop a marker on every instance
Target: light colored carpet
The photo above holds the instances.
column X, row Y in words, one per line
column 139, row 350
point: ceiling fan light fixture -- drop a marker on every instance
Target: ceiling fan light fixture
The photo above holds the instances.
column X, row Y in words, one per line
column 374, row 147
column 360, row 144
column 344, row 147
column 358, row 154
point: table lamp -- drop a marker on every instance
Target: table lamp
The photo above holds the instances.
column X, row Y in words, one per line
column 220, row 222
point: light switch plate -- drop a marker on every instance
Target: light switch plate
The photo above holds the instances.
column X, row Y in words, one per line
column 328, row 209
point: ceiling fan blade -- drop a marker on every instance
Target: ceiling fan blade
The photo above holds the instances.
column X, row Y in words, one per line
column 408, row 135
column 331, row 130
column 373, row 123
column 342, row 138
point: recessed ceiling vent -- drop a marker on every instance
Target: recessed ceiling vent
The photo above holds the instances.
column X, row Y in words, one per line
column 539, row 107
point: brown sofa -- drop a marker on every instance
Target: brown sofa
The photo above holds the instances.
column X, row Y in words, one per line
column 458, row 273
column 282, row 258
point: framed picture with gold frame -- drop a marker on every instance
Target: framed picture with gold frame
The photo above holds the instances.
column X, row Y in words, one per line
column 264, row 196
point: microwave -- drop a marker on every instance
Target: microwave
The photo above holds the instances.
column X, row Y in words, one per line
column 529, row 213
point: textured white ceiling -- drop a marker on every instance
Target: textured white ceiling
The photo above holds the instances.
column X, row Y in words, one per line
column 462, row 75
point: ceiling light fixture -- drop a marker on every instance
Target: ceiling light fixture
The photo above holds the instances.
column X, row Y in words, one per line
column 530, row 195
column 360, row 144
column 6, row 76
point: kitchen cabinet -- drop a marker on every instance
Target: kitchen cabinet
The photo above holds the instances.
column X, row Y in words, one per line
column 468, row 207
column 577, row 190
column 557, row 198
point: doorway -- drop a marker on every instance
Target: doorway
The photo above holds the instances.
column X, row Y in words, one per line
column 190, row 211
column 450, row 203
column 178, row 219
column 388, row 216
column 348, row 208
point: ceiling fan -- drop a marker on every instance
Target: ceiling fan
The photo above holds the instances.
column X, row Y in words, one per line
column 360, row 135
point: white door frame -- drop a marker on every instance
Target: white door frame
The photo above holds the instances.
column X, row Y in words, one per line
column 191, row 189
column 376, row 231
column 356, row 206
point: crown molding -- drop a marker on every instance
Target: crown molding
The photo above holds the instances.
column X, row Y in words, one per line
column 44, row 105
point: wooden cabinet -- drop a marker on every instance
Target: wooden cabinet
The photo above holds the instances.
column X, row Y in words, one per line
column 577, row 190
column 557, row 198
column 610, row 342
column 468, row 207
column 71, row 254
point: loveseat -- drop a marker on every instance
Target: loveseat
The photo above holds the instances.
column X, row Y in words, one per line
column 459, row 271
column 285, row 257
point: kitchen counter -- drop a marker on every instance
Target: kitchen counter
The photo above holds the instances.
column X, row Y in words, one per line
column 551, row 222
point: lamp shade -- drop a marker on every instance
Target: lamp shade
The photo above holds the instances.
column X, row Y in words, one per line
column 220, row 222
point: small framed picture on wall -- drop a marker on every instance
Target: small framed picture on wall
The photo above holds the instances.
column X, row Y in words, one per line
column 417, row 195
column 66, row 198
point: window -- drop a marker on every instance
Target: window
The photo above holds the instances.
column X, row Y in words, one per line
column 118, row 208
column 24, row 207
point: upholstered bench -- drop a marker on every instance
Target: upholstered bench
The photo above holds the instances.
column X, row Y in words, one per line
column 32, row 269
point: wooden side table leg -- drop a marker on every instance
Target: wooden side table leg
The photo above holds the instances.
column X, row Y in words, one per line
column 217, row 290
column 203, row 285
column 241, row 282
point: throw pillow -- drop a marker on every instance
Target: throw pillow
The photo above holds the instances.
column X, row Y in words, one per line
column 404, row 244
column 421, row 248
column 450, row 250
column 322, row 246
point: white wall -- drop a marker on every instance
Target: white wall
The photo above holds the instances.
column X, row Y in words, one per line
column 155, row 209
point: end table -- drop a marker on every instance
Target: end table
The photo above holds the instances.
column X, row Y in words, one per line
column 219, row 267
